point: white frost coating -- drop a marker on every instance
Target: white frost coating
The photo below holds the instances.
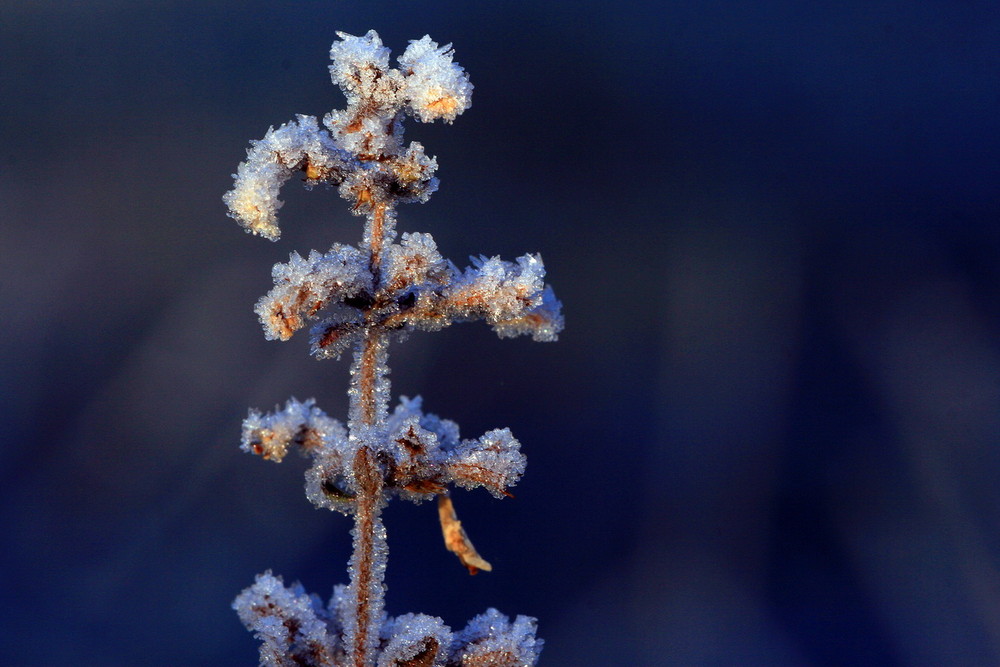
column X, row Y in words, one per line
column 414, row 263
column 415, row 636
column 493, row 461
column 375, row 592
column 337, row 608
column 304, row 286
column 493, row 290
column 406, row 409
column 435, row 86
column 358, row 66
column 418, row 289
column 271, row 161
column 445, row 429
column 416, row 170
column 338, row 332
column 411, row 444
column 424, row 455
column 491, row 639
column 290, row 623
column 357, row 413
column 415, row 462
column 301, row 424
column 388, row 231
column 528, row 279
column 342, row 264
column 366, row 134
column 507, row 289
column 330, row 482
column 543, row 322
column 429, row 86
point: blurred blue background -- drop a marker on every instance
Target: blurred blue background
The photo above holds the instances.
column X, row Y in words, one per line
column 768, row 436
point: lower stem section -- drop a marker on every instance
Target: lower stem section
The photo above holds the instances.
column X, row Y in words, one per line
column 369, row 396
column 368, row 377
column 367, row 566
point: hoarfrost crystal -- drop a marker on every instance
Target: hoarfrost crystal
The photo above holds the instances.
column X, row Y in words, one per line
column 295, row 146
column 357, row 299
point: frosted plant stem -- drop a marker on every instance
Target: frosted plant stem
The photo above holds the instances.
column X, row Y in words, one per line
column 368, row 396
column 362, row 296
column 367, row 572
column 367, row 527
column 371, row 396
column 367, row 568
column 376, row 233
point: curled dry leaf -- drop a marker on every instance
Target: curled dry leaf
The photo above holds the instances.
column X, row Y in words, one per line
column 455, row 539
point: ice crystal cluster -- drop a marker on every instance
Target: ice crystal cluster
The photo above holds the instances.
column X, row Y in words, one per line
column 357, row 299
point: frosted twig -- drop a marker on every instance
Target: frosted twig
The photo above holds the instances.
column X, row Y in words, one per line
column 359, row 298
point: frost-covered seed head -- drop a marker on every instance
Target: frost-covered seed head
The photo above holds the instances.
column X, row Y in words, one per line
column 435, row 86
column 358, row 64
column 363, row 150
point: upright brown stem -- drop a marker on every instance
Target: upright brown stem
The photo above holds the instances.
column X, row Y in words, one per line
column 376, row 232
column 367, row 526
column 366, row 576
column 367, row 380
column 367, row 567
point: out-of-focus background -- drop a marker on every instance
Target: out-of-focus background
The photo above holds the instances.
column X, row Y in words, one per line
column 770, row 434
